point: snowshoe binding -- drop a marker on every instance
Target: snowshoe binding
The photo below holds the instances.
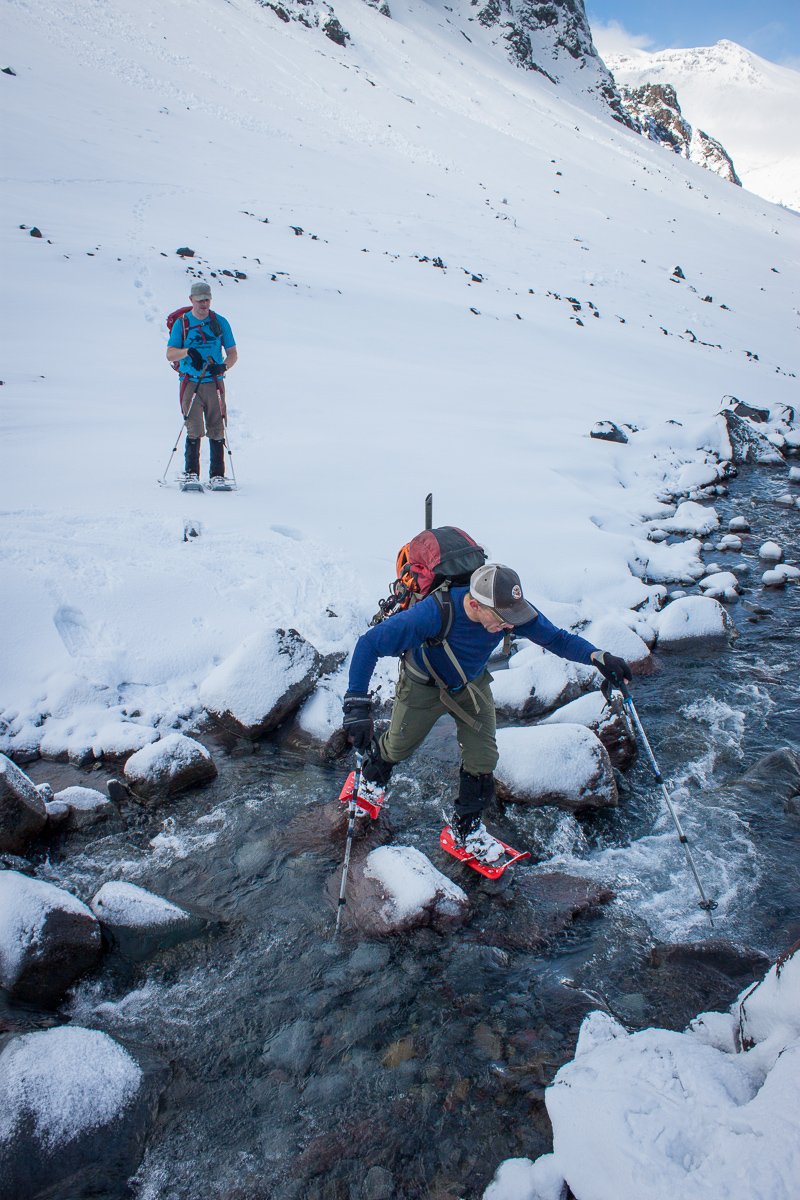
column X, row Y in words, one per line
column 369, row 799
column 191, row 483
column 480, row 850
column 218, row 483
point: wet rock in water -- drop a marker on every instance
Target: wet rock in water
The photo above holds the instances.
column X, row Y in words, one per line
column 538, row 908
column 265, row 678
column 324, row 826
column 739, row 525
column 749, row 444
column 396, row 888
column 607, row 431
column 563, row 765
column 293, row 1049
column 684, row 979
column 75, row 1108
column 378, row 1184
column 731, row 541
column 22, row 810
column 84, row 807
column 139, row 923
column 169, row 766
column 690, row 620
column 48, row 939
column 608, row 722
column 776, row 778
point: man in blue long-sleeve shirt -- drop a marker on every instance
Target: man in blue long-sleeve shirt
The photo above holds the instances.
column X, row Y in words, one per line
column 449, row 675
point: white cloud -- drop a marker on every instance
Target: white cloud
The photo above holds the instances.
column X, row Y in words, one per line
column 610, row 37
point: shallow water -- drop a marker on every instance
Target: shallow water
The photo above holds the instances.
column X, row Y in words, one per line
column 412, row 1067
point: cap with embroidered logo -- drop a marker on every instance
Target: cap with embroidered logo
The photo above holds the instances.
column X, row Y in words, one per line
column 499, row 588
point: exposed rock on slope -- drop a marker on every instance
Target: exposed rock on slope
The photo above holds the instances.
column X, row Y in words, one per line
column 656, row 109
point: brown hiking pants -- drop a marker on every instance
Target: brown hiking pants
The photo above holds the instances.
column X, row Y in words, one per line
column 205, row 412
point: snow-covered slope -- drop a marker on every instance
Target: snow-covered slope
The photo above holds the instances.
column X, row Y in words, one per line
column 451, row 268
column 749, row 105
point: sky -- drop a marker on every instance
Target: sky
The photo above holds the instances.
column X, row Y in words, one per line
column 771, row 31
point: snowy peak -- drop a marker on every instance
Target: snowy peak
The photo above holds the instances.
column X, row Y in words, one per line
column 750, row 105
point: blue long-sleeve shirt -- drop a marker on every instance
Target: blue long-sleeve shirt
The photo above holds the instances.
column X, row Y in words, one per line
column 469, row 641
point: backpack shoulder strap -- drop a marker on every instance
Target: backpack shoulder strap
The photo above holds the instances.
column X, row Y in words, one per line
column 447, row 607
column 216, row 328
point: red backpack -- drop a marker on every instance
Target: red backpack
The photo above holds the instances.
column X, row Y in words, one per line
column 432, row 562
column 182, row 314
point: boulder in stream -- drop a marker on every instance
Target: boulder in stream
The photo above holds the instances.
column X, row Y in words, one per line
column 265, row 678
column 536, row 682
column 48, row 939
column 396, row 888
column 690, row 620
column 747, row 443
column 169, row 766
column 75, row 1108
column 774, row 778
column 84, row 807
column 563, row 765
column 537, row 908
column 139, row 922
column 607, row 721
column 22, row 811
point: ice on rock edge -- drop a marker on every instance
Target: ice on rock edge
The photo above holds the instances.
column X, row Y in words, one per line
column 67, row 1080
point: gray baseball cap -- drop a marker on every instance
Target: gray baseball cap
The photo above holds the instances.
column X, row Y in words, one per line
column 199, row 289
column 499, row 588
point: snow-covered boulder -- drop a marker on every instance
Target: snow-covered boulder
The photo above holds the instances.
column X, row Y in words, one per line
column 770, row 552
column 264, row 679
column 739, row 525
column 139, row 922
column 75, row 1108
column 691, row 517
column 48, row 939
column 612, row 634
column 116, row 740
column 168, row 766
column 536, row 682
column 691, row 619
column 714, row 1111
column 607, row 721
column 395, row 888
column 563, row 765
column 22, row 811
column 84, row 806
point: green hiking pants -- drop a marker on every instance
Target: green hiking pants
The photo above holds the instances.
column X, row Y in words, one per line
column 418, row 707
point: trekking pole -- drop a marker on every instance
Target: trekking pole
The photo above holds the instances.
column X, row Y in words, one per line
column 708, row 905
column 224, row 416
column 351, row 812
column 163, row 478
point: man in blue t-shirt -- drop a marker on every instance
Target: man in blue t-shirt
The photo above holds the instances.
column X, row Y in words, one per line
column 200, row 353
column 452, row 677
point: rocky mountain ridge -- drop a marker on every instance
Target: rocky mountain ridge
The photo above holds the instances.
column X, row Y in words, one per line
column 655, row 109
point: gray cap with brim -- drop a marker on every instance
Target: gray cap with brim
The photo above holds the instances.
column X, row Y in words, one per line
column 200, row 289
column 499, row 588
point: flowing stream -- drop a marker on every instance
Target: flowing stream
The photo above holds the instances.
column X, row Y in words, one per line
column 412, row 1067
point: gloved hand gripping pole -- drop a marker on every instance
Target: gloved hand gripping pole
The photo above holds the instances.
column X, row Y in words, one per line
column 351, row 822
column 708, row 905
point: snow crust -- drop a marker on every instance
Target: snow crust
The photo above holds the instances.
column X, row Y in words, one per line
column 24, row 906
column 589, row 709
column 125, row 904
column 411, row 882
column 67, row 1079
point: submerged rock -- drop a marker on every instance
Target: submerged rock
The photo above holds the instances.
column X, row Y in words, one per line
column 75, row 1108
column 775, row 777
column 169, row 766
column 324, row 826
column 563, row 765
column 396, row 888
column 537, row 908
column 48, row 939
column 22, row 810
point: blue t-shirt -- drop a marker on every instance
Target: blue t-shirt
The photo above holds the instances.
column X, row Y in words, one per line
column 200, row 336
column 470, row 642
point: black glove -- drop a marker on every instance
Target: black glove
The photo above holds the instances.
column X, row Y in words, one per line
column 216, row 369
column 614, row 670
column 358, row 723
column 195, row 358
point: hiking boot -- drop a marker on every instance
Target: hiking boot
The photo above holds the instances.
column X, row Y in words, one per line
column 463, row 825
column 481, row 845
column 217, row 481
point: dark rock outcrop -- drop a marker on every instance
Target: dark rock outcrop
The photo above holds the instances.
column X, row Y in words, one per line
column 749, row 444
column 22, row 811
column 654, row 108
